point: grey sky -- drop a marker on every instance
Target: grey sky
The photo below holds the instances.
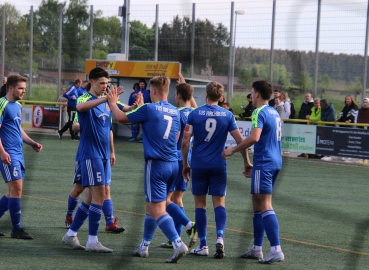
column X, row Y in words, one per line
column 343, row 22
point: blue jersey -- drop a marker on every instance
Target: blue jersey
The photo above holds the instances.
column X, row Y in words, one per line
column 267, row 151
column 10, row 131
column 72, row 92
column 183, row 114
column 160, row 128
column 211, row 125
column 95, row 126
column 145, row 93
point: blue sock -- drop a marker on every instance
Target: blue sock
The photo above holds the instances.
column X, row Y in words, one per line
column 220, row 220
column 177, row 214
column 149, row 228
column 80, row 217
column 201, row 225
column 3, row 205
column 72, row 204
column 135, row 130
column 166, row 224
column 258, row 229
column 107, row 208
column 15, row 212
column 94, row 214
column 271, row 226
column 177, row 224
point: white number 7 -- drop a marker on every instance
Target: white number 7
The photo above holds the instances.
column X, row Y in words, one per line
column 170, row 120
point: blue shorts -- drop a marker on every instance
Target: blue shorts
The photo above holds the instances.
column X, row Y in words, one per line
column 78, row 175
column 13, row 171
column 160, row 178
column 180, row 183
column 262, row 181
column 94, row 172
column 212, row 181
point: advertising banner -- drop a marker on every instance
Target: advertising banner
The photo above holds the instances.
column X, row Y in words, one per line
column 245, row 129
column 27, row 115
column 135, row 69
column 345, row 142
column 46, row 117
column 298, row 138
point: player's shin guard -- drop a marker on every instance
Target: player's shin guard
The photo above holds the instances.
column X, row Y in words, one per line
column 3, row 205
column 150, row 226
column 15, row 213
column 166, row 224
column 80, row 217
column 72, row 204
column 177, row 214
column 107, row 208
column 201, row 225
column 258, row 229
column 271, row 226
column 94, row 214
column 220, row 220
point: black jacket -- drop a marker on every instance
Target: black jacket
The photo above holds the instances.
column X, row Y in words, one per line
column 248, row 110
column 348, row 113
column 305, row 109
column 3, row 91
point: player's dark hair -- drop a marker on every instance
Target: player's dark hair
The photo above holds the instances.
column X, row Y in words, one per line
column 264, row 88
column 161, row 83
column 13, row 80
column 98, row 73
column 88, row 87
column 136, row 86
column 185, row 90
column 144, row 81
column 214, row 90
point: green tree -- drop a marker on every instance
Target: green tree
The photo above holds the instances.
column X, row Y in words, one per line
column 305, row 82
column 106, row 36
column 356, row 87
column 141, row 41
column 245, row 79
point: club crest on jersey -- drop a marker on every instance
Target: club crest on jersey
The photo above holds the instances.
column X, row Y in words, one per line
column 103, row 116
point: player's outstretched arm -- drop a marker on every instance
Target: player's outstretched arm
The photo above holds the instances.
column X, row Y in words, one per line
column 185, row 146
column 86, row 106
column 27, row 140
column 236, row 134
column 113, row 98
column 246, row 143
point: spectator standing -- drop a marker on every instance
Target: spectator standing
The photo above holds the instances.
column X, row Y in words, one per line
column 286, row 104
column 3, row 88
column 142, row 85
column 349, row 112
column 276, row 94
column 221, row 101
column 306, row 107
column 328, row 112
column 316, row 111
column 363, row 114
column 64, row 113
column 305, row 111
column 247, row 112
column 72, row 95
column 278, row 105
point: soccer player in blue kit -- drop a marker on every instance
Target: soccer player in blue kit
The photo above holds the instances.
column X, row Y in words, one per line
column 161, row 126
column 94, row 116
column 266, row 137
column 11, row 151
column 209, row 125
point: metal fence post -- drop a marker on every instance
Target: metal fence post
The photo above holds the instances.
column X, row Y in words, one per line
column 231, row 60
column 317, row 49
column 3, row 42
column 365, row 54
column 91, row 31
column 193, row 40
column 156, row 33
column 272, row 43
column 60, row 48
column 30, row 72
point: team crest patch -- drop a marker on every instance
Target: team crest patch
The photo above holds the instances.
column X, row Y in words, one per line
column 107, row 106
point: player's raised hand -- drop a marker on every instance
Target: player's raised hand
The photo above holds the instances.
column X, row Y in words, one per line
column 139, row 100
column 5, row 158
column 120, row 90
column 112, row 94
column 181, row 79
